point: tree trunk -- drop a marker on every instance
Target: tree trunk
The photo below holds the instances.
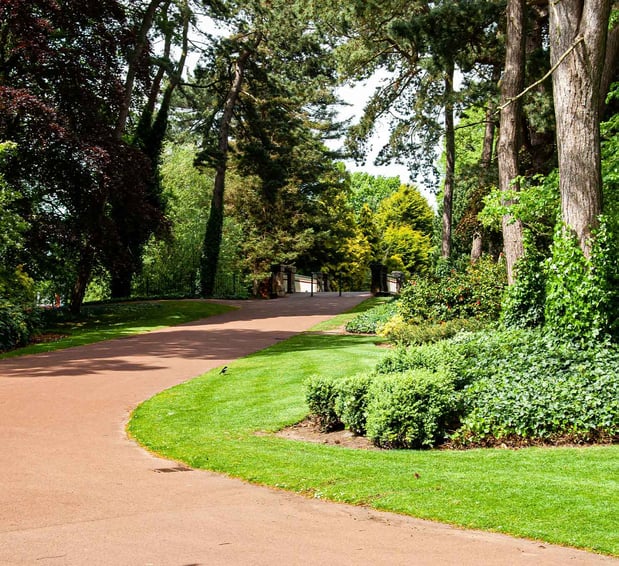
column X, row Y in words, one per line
column 477, row 245
column 214, row 225
column 120, row 283
column 509, row 138
column 84, row 271
column 450, row 163
column 580, row 27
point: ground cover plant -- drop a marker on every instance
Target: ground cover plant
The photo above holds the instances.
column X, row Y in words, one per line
column 369, row 321
column 105, row 321
column 227, row 423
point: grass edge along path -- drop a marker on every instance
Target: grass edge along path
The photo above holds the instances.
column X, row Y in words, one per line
column 224, row 423
column 108, row 321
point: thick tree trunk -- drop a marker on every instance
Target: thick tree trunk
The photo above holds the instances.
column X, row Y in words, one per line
column 580, row 27
column 450, row 163
column 120, row 284
column 509, row 138
column 214, row 225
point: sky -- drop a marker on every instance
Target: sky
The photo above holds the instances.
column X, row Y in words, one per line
column 357, row 96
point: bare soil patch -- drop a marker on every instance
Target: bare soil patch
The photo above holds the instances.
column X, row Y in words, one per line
column 309, row 431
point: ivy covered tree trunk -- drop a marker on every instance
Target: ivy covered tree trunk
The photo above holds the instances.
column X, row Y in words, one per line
column 509, row 139
column 214, row 225
column 578, row 32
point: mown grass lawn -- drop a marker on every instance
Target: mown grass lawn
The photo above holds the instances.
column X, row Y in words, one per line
column 224, row 422
column 105, row 321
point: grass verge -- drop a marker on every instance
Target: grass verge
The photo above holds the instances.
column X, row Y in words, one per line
column 567, row 496
column 106, row 321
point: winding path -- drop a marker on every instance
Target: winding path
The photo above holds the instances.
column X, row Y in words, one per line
column 75, row 491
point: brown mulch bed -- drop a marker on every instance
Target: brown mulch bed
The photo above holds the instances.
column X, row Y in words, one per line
column 309, row 431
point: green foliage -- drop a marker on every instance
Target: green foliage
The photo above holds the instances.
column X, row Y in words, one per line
column 368, row 190
column 406, row 249
column 406, row 206
column 398, row 331
column 410, row 410
column 453, row 357
column 537, row 387
column 582, row 297
column 369, row 321
column 536, row 204
column 352, row 400
column 474, row 293
column 404, row 222
column 523, row 305
column 321, row 395
column 19, row 317
column 12, row 225
column 17, row 325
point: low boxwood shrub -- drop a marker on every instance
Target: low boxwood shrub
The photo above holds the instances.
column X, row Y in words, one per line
column 321, row 395
column 411, row 410
column 369, row 321
column 351, row 401
column 452, row 357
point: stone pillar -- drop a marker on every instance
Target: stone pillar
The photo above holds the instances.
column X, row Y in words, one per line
column 290, row 273
column 399, row 280
column 379, row 279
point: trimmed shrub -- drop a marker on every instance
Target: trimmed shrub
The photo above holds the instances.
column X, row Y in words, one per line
column 451, row 357
column 400, row 332
column 351, row 402
column 411, row 410
column 321, row 394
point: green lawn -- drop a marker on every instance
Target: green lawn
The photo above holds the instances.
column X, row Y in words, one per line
column 105, row 321
column 562, row 495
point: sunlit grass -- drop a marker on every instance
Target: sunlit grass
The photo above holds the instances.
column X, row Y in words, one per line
column 114, row 320
column 224, row 422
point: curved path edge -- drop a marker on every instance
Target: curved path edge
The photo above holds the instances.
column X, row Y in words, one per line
column 74, row 490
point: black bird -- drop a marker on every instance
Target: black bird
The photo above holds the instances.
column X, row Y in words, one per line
column 224, row 369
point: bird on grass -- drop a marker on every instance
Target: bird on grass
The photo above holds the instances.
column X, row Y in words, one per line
column 224, row 369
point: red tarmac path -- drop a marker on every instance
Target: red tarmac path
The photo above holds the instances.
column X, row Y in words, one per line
column 74, row 490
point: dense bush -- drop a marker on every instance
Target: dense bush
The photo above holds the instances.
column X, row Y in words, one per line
column 475, row 293
column 411, row 410
column 321, row 394
column 351, row 402
column 17, row 325
column 369, row 321
column 19, row 318
column 534, row 386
